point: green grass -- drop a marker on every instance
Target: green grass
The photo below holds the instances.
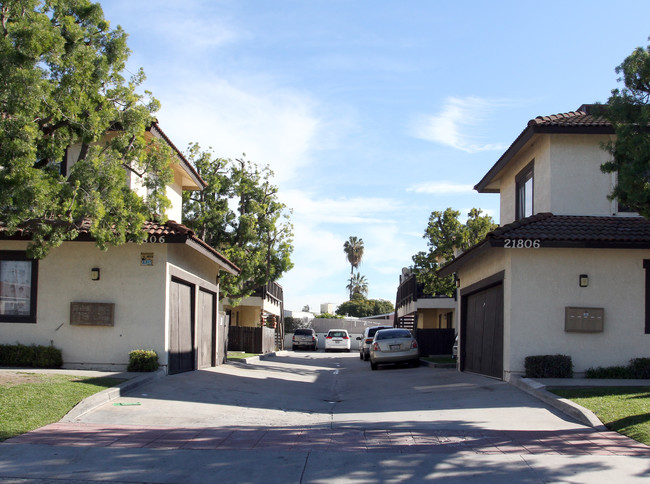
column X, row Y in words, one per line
column 235, row 355
column 623, row 409
column 440, row 359
column 30, row 400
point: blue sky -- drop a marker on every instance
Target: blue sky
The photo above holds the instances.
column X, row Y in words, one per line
column 372, row 114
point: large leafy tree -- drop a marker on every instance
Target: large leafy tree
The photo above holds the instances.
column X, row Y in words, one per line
column 360, row 307
column 628, row 110
column 62, row 93
column 239, row 213
column 353, row 248
column 446, row 235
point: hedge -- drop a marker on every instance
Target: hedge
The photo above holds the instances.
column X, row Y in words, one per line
column 30, row 356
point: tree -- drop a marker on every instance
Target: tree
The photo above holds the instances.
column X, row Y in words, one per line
column 240, row 215
column 446, row 235
column 62, row 86
column 629, row 112
column 357, row 285
column 360, row 307
column 353, row 248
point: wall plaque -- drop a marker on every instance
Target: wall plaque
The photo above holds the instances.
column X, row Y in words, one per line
column 92, row 314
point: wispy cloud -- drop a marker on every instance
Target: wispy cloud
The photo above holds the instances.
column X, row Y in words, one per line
column 440, row 188
column 458, row 124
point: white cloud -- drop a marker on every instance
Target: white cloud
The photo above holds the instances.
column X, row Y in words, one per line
column 275, row 128
column 440, row 188
column 456, row 124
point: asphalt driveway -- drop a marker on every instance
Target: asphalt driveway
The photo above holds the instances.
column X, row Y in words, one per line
column 317, row 417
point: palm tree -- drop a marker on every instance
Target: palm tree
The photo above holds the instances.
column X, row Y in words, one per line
column 353, row 249
column 357, row 285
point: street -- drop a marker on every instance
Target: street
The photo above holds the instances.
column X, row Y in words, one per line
column 323, row 417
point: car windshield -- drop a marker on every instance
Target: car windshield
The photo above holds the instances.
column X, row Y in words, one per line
column 392, row 334
column 337, row 334
column 304, row 332
column 372, row 331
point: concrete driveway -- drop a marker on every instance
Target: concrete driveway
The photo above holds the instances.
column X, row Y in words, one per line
column 317, row 417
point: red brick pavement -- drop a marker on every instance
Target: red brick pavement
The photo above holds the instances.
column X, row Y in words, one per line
column 568, row 442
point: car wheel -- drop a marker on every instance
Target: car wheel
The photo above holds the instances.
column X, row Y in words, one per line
column 360, row 356
column 373, row 366
column 415, row 363
column 314, row 348
column 293, row 348
column 365, row 357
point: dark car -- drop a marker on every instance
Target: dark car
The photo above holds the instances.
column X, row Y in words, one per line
column 304, row 338
column 366, row 340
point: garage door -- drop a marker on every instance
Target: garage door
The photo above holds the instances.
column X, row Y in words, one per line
column 482, row 332
column 207, row 329
column 181, row 327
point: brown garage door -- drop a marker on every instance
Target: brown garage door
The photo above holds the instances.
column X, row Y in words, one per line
column 207, row 328
column 181, row 327
column 482, row 332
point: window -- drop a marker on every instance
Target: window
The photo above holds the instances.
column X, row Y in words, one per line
column 18, row 280
column 524, row 195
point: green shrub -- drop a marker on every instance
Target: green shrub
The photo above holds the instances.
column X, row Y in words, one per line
column 30, row 356
column 618, row 372
column 640, row 367
column 549, row 366
column 143, row 360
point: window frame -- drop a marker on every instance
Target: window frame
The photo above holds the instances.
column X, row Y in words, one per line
column 521, row 181
column 21, row 256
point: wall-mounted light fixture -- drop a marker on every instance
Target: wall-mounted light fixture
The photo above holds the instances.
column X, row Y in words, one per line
column 584, row 280
column 94, row 274
column 456, row 279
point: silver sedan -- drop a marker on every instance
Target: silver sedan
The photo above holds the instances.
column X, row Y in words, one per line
column 394, row 346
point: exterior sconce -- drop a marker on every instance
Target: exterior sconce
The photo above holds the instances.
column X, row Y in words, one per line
column 584, row 280
column 456, row 279
column 94, row 274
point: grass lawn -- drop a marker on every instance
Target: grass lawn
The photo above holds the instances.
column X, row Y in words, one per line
column 30, row 400
column 623, row 409
column 235, row 355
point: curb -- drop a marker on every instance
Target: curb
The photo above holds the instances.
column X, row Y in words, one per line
column 572, row 409
column 105, row 396
column 431, row 364
column 256, row 359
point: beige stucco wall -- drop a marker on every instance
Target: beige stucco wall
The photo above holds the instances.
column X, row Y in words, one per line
column 64, row 276
column 545, row 281
column 578, row 187
column 429, row 318
column 245, row 316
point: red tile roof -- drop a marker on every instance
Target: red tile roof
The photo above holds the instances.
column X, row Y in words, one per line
column 546, row 230
column 593, row 231
column 583, row 121
column 173, row 232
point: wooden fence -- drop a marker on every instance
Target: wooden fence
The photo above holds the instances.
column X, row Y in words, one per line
column 435, row 341
column 251, row 340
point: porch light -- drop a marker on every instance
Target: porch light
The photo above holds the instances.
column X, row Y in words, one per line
column 584, row 280
column 94, row 274
column 456, row 279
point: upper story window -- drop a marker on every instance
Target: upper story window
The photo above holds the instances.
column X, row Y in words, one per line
column 524, row 195
column 18, row 278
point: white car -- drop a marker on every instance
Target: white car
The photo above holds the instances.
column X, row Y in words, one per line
column 337, row 339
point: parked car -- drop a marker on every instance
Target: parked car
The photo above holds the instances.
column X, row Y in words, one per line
column 366, row 340
column 304, row 338
column 337, row 339
column 454, row 349
column 395, row 345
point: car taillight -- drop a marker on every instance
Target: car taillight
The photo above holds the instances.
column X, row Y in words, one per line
column 346, row 337
column 294, row 338
column 368, row 341
column 375, row 347
column 313, row 338
column 414, row 344
column 328, row 337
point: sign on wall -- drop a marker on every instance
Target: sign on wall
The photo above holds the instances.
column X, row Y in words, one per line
column 92, row 314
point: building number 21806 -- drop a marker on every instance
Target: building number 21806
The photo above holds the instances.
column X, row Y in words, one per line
column 521, row 244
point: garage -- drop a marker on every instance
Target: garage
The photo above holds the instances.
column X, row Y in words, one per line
column 482, row 330
column 181, row 326
column 207, row 329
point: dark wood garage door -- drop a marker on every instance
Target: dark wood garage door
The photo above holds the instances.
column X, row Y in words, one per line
column 181, row 327
column 207, row 329
column 482, row 332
